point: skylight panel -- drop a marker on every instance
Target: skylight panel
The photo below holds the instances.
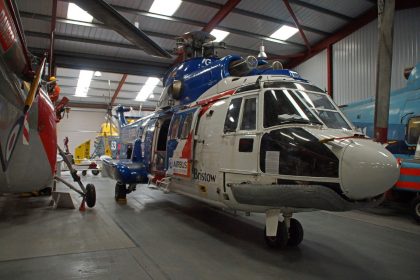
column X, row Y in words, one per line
column 219, row 34
column 83, row 84
column 76, row 13
column 284, row 32
column 165, row 7
column 147, row 89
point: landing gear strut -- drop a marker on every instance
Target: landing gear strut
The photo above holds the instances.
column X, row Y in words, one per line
column 288, row 232
column 88, row 193
column 121, row 191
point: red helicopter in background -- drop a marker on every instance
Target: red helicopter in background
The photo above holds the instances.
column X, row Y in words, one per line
column 28, row 117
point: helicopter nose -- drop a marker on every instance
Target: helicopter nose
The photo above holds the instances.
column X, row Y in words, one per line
column 367, row 170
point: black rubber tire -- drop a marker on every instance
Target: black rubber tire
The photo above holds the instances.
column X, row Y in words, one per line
column 295, row 233
column 46, row 191
column 415, row 208
column 95, row 172
column 120, row 191
column 84, row 173
column 280, row 240
column 90, row 195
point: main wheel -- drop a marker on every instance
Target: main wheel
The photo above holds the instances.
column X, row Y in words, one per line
column 415, row 208
column 84, row 173
column 120, row 191
column 95, row 172
column 295, row 233
column 90, row 195
column 278, row 241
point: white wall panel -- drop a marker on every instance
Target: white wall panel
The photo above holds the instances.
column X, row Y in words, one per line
column 315, row 70
column 355, row 57
column 80, row 126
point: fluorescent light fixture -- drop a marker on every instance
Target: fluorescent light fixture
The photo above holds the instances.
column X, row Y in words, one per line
column 219, row 34
column 97, row 74
column 85, row 77
column 165, row 7
column 284, row 32
column 147, row 89
column 76, row 13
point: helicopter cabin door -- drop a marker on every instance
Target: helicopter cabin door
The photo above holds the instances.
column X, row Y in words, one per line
column 180, row 145
column 240, row 139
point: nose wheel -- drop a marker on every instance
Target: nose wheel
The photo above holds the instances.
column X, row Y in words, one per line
column 288, row 232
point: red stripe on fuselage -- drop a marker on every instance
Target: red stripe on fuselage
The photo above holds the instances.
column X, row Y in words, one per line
column 186, row 151
column 215, row 97
column 47, row 129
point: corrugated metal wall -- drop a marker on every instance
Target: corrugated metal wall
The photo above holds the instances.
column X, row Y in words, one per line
column 354, row 59
column 315, row 70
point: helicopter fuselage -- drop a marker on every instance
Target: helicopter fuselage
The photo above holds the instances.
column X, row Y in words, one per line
column 257, row 143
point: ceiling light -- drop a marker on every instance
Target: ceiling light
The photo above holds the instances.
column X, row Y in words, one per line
column 164, row 7
column 76, row 13
column 219, row 34
column 97, row 74
column 85, row 77
column 147, row 89
column 284, row 32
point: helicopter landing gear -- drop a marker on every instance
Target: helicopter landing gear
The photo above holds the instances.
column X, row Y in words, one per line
column 90, row 195
column 288, row 232
column 120, row 191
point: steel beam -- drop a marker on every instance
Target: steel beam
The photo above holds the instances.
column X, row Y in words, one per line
column 289, row 8
column 107, row 63
column 51, row 68
column 117, row 91
column 150, row 33
column 330, row 71
column 256, row 15
column 203, row 24
column 103, row 106
column 320, row 10
column 386, row 10
column 221, row 14
column 348, row 29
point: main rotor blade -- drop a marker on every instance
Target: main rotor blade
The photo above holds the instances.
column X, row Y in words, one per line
column 103, row 12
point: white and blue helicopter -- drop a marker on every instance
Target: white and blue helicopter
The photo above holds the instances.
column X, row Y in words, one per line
column 244, row 134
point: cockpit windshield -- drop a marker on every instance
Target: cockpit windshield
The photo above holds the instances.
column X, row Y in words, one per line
column 323, row 107
column 283, row 106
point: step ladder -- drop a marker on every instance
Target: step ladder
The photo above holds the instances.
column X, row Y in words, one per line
column 162, row 184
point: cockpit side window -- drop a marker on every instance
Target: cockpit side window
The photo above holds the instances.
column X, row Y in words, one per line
column 175, row 126
column 232, row 116
column 413, row 130
column 249, row 114
column 186, row 126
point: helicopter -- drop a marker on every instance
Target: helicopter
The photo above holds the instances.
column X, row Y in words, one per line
column 403, row 135
column 244, row 134
column 28, row 117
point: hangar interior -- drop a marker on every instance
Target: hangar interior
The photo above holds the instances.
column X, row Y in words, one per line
column 154, row 235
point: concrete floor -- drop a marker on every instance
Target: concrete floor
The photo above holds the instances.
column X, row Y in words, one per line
column 167, row 236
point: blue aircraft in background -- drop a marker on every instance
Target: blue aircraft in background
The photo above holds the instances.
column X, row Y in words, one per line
column 403, row 135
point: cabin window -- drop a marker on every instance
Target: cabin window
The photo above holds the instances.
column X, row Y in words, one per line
column 175, row 126
column 413, row 132
column 249, row 114
column 186, row 126
column 232, row 116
